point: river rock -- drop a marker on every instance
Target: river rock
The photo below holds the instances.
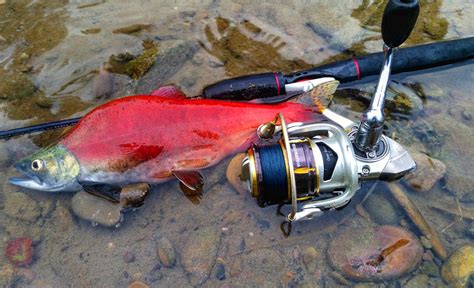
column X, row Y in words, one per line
column 165, row 251
column 459, row 267
column 199, row 254
column 420, row 280
column 428, row 172
column 21, row 206
column 381, row 210
column 310, row 255
column 375, row 254
column 95, row 209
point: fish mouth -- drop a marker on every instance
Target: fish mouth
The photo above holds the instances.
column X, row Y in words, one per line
column 28, row 183
column 28, row 180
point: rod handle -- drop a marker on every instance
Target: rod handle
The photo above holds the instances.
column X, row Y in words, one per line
column 399, row 18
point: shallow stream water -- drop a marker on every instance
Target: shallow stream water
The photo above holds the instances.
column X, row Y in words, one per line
column 59, row 59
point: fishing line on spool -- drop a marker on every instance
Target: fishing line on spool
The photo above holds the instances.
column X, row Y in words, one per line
column 274, row 173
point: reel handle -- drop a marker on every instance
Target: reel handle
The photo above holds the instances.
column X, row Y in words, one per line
column 399, row 18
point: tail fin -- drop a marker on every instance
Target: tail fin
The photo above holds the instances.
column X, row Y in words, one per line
column 318, row 94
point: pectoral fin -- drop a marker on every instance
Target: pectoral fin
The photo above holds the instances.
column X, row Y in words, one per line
column 128, row 196
column 107, row 191
column 191, row 183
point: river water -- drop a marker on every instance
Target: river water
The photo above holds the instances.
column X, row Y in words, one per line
column 59, row 59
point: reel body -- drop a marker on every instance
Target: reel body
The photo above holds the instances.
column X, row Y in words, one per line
column 315, row 167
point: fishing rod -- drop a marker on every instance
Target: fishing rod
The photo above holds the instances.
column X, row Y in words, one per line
column 272, row 84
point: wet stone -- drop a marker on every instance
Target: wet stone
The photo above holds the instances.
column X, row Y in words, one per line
column 199, row 254
column 165, row 251
column 420, row 280
column 381, row 210
column 459, row 267
column 375, row 254
column 430, row 269
column 21, row 206
column 96, row 210
column 310, row 255
column 427, row 174
column 426, row 242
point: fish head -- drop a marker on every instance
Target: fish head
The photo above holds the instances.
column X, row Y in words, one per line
column 53, row 170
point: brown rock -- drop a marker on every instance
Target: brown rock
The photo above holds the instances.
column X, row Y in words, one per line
column 375, row 254
column 428, row 172
column 95, row 209
column 166, row 252
column 138, row 284
column 234, row 171
column 459, row 267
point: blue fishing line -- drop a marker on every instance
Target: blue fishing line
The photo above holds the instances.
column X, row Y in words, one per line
column 275, row 181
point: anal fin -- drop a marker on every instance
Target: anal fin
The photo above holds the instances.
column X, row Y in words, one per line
column 191, row 183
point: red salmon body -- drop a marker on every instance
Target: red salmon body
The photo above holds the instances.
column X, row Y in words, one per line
column 149, row 136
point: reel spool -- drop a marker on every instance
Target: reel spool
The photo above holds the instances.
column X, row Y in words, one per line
column 312, row 166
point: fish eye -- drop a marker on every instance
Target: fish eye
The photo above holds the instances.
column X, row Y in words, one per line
column 37, row 165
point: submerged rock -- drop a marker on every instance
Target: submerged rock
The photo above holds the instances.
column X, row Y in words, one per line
column 95, row 209
column 199, row 254
column 166, row 252
column 382, row 211
column 21, row 206
column 19, row 251
column 428, row 172
column 459, row 267
column 420, row 280
column 375, row 254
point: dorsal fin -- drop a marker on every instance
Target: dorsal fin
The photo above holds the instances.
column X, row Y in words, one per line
column 320, row 95
column 170, row 91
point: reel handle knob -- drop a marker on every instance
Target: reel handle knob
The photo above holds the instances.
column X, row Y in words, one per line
column 399, row 18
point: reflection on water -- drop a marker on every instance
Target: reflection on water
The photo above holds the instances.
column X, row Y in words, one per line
column 52, row 56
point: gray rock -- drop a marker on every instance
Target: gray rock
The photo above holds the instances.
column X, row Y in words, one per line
column 21, row 206
column 381, row 210
column 199, row 254
column 172, row 55
column 95, row 209
column 428, row 172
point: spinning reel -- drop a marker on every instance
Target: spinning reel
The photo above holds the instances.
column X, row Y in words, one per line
column 316, row 167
